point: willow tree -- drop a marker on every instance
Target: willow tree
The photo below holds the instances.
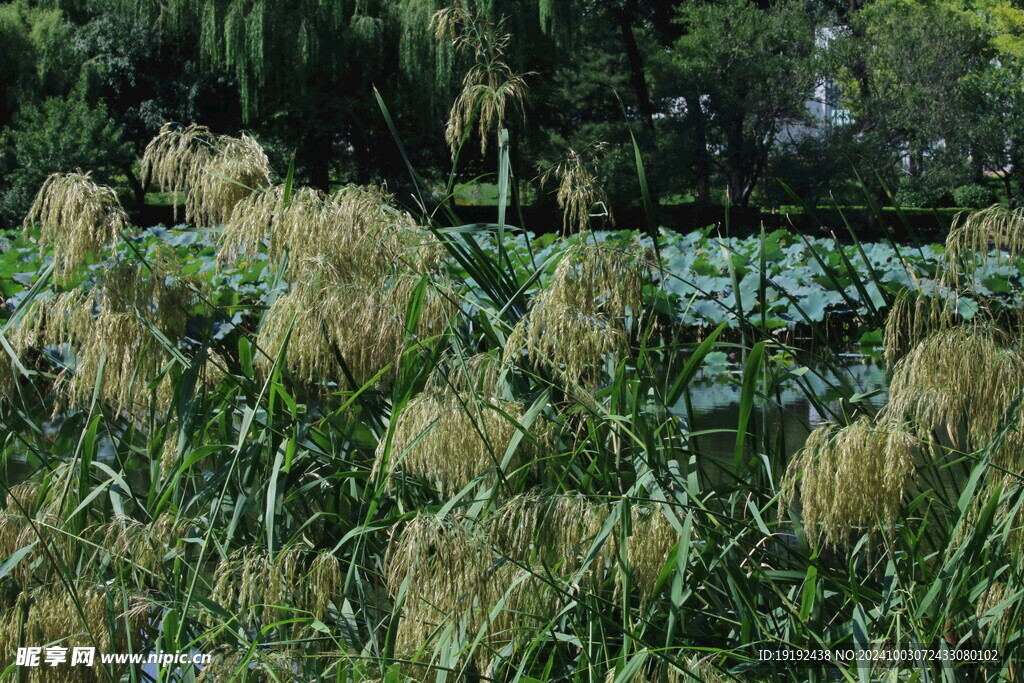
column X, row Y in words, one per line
column 303, row 68
column 306, row 69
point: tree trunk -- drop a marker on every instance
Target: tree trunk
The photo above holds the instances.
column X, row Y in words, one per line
column 137, row 189
column 740, row 164
column 316, row 156
column 636, row 67
column 701, row 158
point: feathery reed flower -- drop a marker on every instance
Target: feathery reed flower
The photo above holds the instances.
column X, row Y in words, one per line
column 363, row 325
column 850, row 477
column 114, row 347
column 961, row 381
column 580, row 317
column 215, row 173
column 8, row 377
column 578, row 189
column 238, row 168
column 176, row 158
column 77, row 217
column 481, row 373
column 995, row 618
column 490, row 88
column 994, row 229
column 554, row 530
column 51, row 615
column 355, row 231
column 264, row 590
column 912, row 318
column 455, row 582
column 557, row 531
column 355, row 263
column 454, row 438
column 44, row 529
column 124, row 542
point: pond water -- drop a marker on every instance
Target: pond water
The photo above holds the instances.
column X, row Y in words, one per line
column 715, row 400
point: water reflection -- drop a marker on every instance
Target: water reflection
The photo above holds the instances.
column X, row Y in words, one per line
column 789, row 416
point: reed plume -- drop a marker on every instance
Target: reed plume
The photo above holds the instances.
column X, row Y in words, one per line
column 995, row 611
column 850, row 477
column 355, row 231
column 127, row 543
column 580, row 317
column 976, row 240
column 115, row 349
column 355, row 262
column 343, row 326
column 482, row 374
column 579, row 189
column 8, row 377
column 553, row 530
column 77, row 218
column 455, row 583
column 51, row 615
column 214, row 172
column 980, row 233
column 961, row 381
column 557, row 531
column 263, row 590
column 491, row 90
column 914, row 316
column 451, row 439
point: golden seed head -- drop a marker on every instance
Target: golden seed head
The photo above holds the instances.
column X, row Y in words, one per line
column 23, row 498
column 995, row 618
column 356, row 232
column 975, row 235
column 851, row 477
column 452, row 439
column 455, row 581
column 77, row 218
column 649, row 545
column 558, row 530
column 176, row 158
column 215, row 173
column 363, row 324
column 960, row 381
column 490, row 89
column 114, row 346
column 555, row 530
column 107, row 328
column 125, row 542
column 52, row 615
column 264, row 590
column 914, row 316
column 482, row 374
column 580, row 318
column 579, row 189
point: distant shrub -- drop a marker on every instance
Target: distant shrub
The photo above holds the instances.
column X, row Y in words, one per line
column 913, row 193
column 56, row 136
column 974, row 196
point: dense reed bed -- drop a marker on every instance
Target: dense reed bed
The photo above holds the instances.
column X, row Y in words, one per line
column 415, row 458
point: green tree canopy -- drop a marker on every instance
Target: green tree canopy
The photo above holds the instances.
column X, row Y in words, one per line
column 749, row 70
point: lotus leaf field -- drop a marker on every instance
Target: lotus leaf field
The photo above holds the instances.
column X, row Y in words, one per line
column 707, row 279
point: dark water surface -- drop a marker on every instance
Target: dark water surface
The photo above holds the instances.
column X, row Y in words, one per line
column 715, row 400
